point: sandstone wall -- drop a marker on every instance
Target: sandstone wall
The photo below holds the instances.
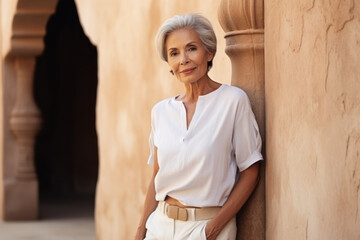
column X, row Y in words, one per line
column 132, row 78
column 7, row 8
column 312, row 74
column 1, row 104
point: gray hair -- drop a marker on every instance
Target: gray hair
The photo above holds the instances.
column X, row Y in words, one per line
column 193, row 21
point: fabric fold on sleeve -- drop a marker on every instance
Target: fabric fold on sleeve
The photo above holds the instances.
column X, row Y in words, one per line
column 246, row 138
column 255, row 157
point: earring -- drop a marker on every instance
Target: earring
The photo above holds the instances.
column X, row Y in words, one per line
column 172, row 72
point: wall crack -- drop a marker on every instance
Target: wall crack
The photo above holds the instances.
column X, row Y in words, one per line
column 347, row 149
column 311, row 7
column 345, row 23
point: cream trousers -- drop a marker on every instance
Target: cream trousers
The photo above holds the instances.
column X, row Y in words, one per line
column 161, row 227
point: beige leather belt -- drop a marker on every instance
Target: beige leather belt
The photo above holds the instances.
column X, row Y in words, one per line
column 188, row 214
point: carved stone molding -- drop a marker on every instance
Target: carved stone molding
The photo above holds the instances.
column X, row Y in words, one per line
column 29, row 26
column 25, row 120
column 241, row 15
column 243, row 23
column 28, row 31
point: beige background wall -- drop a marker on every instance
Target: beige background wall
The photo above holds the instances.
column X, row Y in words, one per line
column 312, row 74
column 7, row 13
column 132, row 78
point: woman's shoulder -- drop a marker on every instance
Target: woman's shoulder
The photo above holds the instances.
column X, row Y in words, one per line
column 162, row 104
column 233, row 93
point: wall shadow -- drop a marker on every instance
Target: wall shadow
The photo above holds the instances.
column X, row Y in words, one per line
column 65, row 87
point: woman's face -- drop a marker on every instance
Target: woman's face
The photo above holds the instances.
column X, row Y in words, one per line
column 186, row 55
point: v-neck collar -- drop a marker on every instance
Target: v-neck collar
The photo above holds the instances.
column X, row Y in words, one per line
column 198, row 107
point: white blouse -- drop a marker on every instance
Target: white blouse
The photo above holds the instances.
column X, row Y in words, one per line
column 198, row 164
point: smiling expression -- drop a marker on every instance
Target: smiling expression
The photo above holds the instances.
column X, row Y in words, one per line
column 187, row 56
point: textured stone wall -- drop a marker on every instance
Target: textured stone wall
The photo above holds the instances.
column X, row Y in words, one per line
column 312, row 75
column 7, row 8
column 132, row 78
column 1, row 104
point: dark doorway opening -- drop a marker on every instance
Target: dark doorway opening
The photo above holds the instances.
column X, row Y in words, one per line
column 65, row 86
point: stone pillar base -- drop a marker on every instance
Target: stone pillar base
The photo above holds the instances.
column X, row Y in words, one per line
column 21, row 200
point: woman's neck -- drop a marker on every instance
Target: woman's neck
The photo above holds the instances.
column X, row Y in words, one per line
column 201, row 87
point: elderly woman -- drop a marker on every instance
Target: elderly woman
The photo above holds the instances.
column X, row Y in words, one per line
column 204, row 144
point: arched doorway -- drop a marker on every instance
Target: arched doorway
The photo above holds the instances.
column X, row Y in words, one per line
column 65, row 85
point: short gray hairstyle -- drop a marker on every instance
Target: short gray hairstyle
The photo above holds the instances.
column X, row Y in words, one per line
column 193, row 21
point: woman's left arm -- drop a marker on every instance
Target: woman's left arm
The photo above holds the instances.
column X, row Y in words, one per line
column 248, row 179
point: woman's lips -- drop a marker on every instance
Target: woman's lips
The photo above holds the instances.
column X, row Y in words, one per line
column 188, row 70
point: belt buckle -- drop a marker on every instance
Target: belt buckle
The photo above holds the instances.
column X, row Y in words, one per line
column 177, row 213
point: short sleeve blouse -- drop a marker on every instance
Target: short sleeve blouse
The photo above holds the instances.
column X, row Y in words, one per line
column 198, row 164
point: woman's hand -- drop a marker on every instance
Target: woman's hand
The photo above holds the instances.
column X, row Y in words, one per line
column 212, row 231
column 241, row 192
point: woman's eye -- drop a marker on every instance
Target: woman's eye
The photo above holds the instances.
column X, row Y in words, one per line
column 172, row 54
column 192, row 48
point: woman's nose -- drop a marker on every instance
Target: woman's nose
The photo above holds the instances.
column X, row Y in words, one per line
column 184, row 59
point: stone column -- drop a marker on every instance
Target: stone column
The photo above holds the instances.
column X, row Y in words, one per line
column 25, row 41
column 243, row 23
column 25, row 122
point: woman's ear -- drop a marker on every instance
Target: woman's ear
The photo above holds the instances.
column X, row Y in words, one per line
column 210, row 57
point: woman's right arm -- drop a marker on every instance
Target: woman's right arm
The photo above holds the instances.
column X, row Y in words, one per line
column 150, row 202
